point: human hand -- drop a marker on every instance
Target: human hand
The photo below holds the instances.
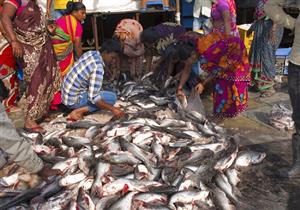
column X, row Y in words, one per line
column 118, row 113
column 180, row 94
column 51, row 28
column 199, row 88
column 17, row 48
column 46, row 172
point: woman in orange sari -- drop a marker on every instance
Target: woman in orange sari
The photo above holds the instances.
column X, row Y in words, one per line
column 224, row 58
column 66, row 40
column 67, row 35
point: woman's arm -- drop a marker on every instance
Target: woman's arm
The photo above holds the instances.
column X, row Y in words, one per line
column 227, row 24
column 78, row 47
column 201, row 86
column 48, row 8
column 149, row 58
column 6, row 17
column 185, row 73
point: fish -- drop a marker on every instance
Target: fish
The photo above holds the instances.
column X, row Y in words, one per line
column 196, row 156
column 187, row 197
column 25, row 196
column 121, row 157
column 72, row 179
column 151, row 198
column 126, row 185
column 226, row 161
column 215, row 147
column 160, row 101
column 147, row 158
column 86, row 124
column 84, row 201
column 142, row 173
column 102, row 169
column 92, row 132
column 66, row 164
column 105, row 202
column 172, row 123
column 123, row 203
column 153, row 207
column 75, row 141
column 232, row 175
column 9, row 180
column 221, row 200
column 223, row 183
column 158, row 150
column 246, row 158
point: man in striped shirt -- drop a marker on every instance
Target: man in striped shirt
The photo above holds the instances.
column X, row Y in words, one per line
column 81, row 88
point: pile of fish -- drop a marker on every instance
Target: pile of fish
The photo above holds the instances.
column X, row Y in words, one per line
column 280, row 117
column 157, row 157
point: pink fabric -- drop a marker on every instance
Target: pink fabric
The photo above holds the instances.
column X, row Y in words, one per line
column 216, row 13
column 61, row 22
column 19, row 4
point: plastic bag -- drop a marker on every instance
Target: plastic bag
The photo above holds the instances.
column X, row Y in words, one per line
column 194, row 103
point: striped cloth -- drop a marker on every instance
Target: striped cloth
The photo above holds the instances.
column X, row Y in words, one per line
column 85, row 76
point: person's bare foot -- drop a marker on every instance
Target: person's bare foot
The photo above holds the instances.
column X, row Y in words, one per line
column 32, row 126
column 74, row 116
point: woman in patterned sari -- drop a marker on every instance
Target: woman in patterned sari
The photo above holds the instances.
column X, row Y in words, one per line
column 8, row 71
column 25, row 26
column 267, row 37
column 225, row 58
column 67, row 36
column 223, row 15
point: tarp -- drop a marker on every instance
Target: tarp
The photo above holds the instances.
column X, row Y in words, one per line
column 106, row 5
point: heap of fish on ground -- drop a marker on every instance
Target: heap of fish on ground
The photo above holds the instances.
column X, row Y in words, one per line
column 158, row 156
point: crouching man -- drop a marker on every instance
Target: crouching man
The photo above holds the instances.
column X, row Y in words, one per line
column 81, row 88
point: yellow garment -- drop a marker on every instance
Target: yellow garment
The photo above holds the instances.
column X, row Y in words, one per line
column 61, row 4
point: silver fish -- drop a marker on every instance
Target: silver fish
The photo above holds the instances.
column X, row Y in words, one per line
column 158, row 150
column 102, row 169
column 123, row 203
column 215, row 147
column 223, row 183
column 187, row 197
column 127, row 185
column 147, row 158
column 92, row 132
column 232, row 175
column 221, row 201
column 172, row 123
column 226, row 162
column 121, row 157
column 76, row 142
column 84, row 201
column 147, row 75
column 145, row 105
column 72, row 179
column 151, row 198
column 105, row 202
column 246, row 158
column 160, row 101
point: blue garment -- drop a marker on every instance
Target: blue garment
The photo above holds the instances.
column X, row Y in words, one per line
column 201, row 23
column 57, row 13
column 86, row 76
column 107, row 96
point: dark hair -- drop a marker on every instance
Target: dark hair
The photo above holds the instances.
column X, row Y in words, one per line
column 185, row 50
column 149, row 35
column 3, row 91
column 111, row 45
column 171, row 52
column 74, row 6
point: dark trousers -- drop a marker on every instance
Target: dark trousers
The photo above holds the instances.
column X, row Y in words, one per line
column 294, row 92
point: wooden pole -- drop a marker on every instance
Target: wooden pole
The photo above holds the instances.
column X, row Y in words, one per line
column 177, row 15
